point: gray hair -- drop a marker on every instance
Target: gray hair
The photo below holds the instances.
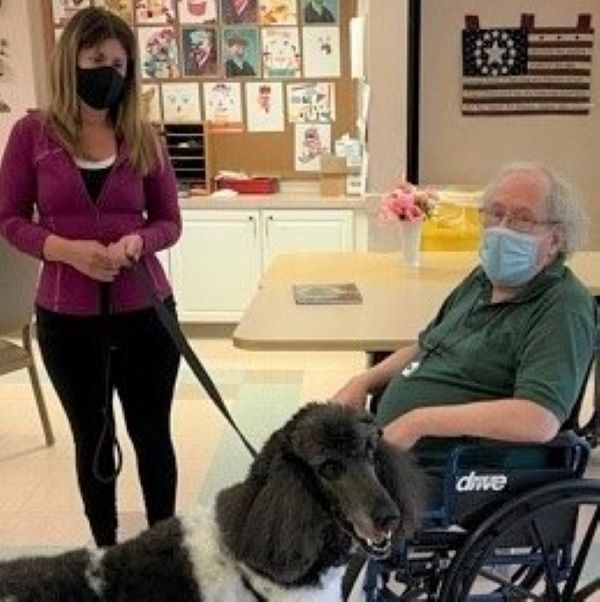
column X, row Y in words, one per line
column 564, row 203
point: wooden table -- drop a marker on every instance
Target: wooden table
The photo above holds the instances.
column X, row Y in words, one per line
column 398, row 301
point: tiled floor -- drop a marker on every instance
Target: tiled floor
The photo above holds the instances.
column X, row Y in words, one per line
column 39, row 503
column 40, row 509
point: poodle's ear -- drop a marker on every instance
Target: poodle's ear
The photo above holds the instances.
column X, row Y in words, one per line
column 278, row 526
column 404, row 481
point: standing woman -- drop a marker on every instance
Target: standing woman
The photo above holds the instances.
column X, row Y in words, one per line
column 103, row 190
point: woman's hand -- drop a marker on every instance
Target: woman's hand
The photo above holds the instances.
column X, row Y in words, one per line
column 91, row 258
column 126, row 249
column 353, row 393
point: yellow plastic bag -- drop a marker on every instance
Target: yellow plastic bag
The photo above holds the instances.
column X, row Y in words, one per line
column 455, row 226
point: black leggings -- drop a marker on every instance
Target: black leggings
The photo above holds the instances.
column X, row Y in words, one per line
column 144, row 364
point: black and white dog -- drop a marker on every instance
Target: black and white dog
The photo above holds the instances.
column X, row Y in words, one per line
column 322, row 485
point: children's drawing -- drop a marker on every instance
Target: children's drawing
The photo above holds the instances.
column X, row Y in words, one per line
column 154, row 11
column 311, row 141
column 281, row 52
column 63, row 10
column 235, row 12
column 181, row 102
column 198, row 11
column 241, row 52
column 199, row 48
column 321, row 51
column 151, row 102
column 277, row 12
column 123, row 8
column 158, row 52
column 311, row 102
column 223, row 106
column 264, row 106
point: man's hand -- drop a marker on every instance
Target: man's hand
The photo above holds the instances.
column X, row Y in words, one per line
column 126, row 249
column 353, row 393
column 91, row 258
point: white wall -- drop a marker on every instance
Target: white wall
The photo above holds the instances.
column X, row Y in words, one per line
column 23, row 82
column 386, row 55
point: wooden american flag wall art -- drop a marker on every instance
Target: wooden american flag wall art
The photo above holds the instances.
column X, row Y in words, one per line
column 527, row 70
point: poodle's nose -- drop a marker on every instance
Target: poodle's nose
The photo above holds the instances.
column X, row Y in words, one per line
column 385, row 519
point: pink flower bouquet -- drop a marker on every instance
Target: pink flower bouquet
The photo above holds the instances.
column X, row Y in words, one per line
column 408, row 203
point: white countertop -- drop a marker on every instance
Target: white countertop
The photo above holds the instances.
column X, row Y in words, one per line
column 292, row 195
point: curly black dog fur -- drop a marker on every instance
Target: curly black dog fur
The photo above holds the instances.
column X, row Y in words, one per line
column 322, row 485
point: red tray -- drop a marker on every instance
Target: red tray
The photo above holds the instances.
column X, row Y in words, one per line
column 251, row 186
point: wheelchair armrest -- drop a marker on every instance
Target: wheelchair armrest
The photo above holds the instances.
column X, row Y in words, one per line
column 567, row 449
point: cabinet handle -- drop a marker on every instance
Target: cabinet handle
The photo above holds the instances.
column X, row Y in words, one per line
column 255, row 229
column 269, row 219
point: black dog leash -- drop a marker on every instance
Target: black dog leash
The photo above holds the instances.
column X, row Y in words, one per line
column 172, row 326
column 108, row 433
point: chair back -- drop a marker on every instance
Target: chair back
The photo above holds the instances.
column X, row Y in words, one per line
column 18, row 282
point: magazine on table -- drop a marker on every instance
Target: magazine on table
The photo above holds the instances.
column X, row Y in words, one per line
column 327, row 294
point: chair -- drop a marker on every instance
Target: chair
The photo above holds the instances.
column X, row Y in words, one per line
column 18, row 278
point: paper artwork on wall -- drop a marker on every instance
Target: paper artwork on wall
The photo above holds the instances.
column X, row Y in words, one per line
column 151, row 102
column 241, row 53
column 154, row 11
column 311, row 141
column 311, row 102
column 197, row 11
column 223, row 106
column 321, row 51
column 181, row 102
column 264, row 107
column 63, row 10
column 320, row 11
column 235, row 12
column 158, row 52
column 123, row 8
column 278, row 12
column 281, row 52
column 199, row 48
column 527, row 70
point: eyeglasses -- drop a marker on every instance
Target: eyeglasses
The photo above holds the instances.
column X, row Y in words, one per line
column 526, row 224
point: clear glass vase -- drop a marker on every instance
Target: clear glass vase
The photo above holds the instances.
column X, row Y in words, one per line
column 411, row 242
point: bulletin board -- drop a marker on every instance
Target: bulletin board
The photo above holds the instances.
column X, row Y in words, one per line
column 273, row 152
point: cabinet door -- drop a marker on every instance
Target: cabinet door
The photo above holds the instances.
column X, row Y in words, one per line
column 304, row 230
column 216, row 264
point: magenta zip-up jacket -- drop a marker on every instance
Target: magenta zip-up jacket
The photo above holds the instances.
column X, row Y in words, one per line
column 39, row 176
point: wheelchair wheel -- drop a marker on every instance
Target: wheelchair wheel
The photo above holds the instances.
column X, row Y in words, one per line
column 536, row 547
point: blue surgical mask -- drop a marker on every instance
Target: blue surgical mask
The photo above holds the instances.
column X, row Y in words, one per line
column 509, row 258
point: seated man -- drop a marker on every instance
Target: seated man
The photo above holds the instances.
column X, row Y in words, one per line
column 508, row 351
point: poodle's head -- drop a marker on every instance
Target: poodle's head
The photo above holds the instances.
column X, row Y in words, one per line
column 369, row 487
column 324, row 480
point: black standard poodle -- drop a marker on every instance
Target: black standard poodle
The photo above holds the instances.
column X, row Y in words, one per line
column 322, row 486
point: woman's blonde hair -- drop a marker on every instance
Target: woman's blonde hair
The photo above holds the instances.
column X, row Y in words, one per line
column 88, row 28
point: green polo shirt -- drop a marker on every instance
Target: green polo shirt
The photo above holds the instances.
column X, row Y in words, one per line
column 536, row 346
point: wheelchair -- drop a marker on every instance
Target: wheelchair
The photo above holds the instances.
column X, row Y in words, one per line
column 507, row 522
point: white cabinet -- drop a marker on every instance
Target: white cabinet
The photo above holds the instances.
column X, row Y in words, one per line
column 217, row 263
column 305, row 230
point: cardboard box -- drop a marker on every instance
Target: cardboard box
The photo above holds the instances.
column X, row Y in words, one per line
column 333, row 175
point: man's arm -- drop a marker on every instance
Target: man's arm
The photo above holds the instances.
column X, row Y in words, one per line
column 517, row 420
column 355, row 391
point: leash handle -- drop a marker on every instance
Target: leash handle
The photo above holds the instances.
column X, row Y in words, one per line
column 172, row 326
column 109, row 432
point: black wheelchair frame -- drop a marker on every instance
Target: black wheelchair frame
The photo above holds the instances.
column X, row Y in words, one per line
column 510, row 522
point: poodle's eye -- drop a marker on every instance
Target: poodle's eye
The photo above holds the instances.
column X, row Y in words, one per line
column 331, row 470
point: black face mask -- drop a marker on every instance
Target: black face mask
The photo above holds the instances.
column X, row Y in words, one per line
column 100, row 87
